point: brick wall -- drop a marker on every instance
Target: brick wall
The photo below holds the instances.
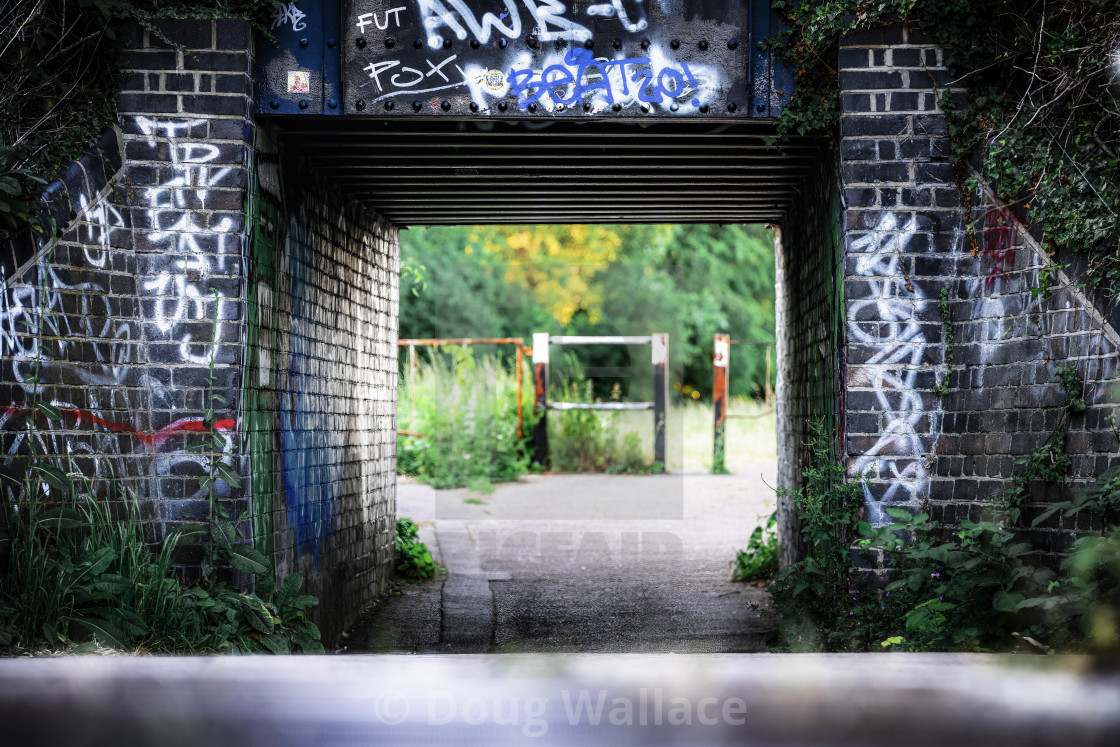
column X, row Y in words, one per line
column 905, row 240
column 152, row 222
column 155, row 258
column 810, row 336
column 321, row 386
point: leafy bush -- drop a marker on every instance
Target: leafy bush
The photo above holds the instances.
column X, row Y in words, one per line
column 77, row 568
column 465, row 413
column 975, row 587
column 414, row 561
column 591, row 440
column 759, row 561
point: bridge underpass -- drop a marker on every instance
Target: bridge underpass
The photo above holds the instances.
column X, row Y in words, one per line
column 599, row 575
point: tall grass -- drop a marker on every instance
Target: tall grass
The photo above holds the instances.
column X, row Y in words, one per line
column 464, row 414
column 464, row 411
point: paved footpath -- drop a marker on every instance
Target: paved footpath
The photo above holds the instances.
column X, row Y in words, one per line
column 589, row 563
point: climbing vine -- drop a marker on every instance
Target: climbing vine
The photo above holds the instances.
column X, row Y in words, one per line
column 1042, row 108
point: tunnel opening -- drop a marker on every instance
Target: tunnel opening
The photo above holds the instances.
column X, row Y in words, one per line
column 386, row 175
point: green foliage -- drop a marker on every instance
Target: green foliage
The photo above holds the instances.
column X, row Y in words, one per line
column 759, row 561
column 413, row 559
column 590, row 440
column 1069, row 381
column 976, row 587
column 77, row 567
column 1042, row 107
column 59, row 64
column 812, row 594
column 465, row 412
column 947, row 323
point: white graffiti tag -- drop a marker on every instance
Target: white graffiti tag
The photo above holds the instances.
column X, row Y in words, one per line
column 887, row 319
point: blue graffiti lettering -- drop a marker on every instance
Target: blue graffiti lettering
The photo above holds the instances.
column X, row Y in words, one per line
column 585, row 77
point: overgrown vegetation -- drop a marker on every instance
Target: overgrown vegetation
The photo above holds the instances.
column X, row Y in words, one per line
column 77, row 569
column 462, row 414
column 759, row 561
column 592, row 440
column 414, row 561
column 1042, row 107
column 59, row 64
column 973, row 587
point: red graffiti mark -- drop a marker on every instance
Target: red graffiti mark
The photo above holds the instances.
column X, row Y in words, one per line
column 152, row 438
column 999, row 244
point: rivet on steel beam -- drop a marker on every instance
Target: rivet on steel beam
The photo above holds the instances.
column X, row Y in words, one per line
column 332, row 103
column 532, row 41
column 360, row 104
column 502, row 106
column 416, row 106
column 675, row 44
column 644, row 108
column 559, row 107
column 474, row 44
column 304, row 103
column 586, row 107
column 703, row 108
column 274, row 103
column 447, row 44
column 418, row 44
column 674, row 106
column 303, row 42
column 645, row 43
column 331, row 43
column 703, row 45
column 762, row 107
column 589, row 44
column 616, row 108
column 361, row 42
column 733, row 43
column 389, row 105
column 732, row 107
column 532, row 107
column 474, row 107
column 445, row 105
column 617, row 44
column 390, row 42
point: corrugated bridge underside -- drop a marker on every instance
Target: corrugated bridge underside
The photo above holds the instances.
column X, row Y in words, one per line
column 448, row 172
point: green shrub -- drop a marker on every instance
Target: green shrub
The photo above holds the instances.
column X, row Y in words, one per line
column 76, row 568
column 974, row 587
column 759, row 561
column 465, row 411
column 414, row 561
column 591, row 440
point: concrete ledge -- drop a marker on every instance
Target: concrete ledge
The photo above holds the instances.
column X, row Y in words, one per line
column 870, row 699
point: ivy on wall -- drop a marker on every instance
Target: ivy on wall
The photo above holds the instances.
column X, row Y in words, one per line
column 1041, row 119
column 59, row 64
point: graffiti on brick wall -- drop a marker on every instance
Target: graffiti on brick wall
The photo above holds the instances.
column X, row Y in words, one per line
column 312, row 441
column 545, row 57
column 888, row 319
column 102, row 329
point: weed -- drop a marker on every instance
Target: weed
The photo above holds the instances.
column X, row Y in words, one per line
column 413, row 559
column 759, row 561
column 465, row 413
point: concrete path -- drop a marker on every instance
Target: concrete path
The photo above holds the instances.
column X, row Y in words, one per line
column 591, row 563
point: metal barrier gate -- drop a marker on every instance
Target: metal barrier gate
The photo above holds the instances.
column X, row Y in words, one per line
column 659, row 355
column 721, row 393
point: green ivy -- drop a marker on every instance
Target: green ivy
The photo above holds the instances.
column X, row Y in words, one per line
column 1042, row 108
